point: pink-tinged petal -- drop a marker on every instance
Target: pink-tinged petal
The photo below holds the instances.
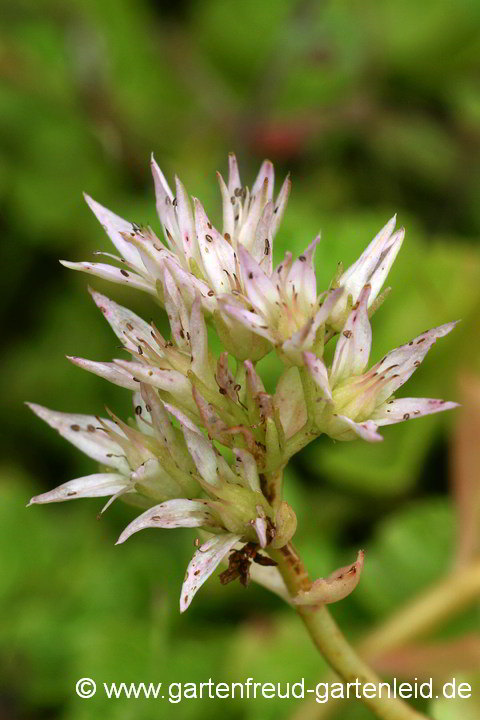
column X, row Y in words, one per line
column 261, row 292
column 189, row 286
column 304, row 338
column 186, row 224
column 385, row 262
column 333, row 588
column 260, row 525
column 246, row 467
column 358, row 274
column 200, row 365
column 203, row 455
column 163, row 429
column 281, row 271
column 203, row 564
column 228, row 209
column 267, row 173
column 176, row 311
column 289, row 399
column 171, row 381
column 114, row 226
column 128, row 327
column 254, row 209
column 98, row 485
column 108, row 371
column 234, row 182
column 162, row 187
column 281, row 204
column 365, row 430
column 170, row 514
column 355, row 341
column 84, row 433
column 302, row 281
column 251, row 321
column 395, row 411
column 399, row 365
column 319, row 373
column 141, row 409
column 216, row 252
column 182, row 418
column 165, row 209
column 262, row 248
column 113, row 274
column 152, row 251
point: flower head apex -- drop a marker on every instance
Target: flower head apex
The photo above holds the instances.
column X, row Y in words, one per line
column 199, row 255
column 283, row 308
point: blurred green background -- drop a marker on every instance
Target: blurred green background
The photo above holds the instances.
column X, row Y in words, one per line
column 375, row 109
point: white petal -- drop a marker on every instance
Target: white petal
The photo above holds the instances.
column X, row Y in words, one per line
column 267, row 173
column 385, row 262
column 355, row 341
column 246, row 467
column 304, row 338
column 234, row 182
column 394, row 411
column 251, row 321
column 228, row 209
column 199, row 344
column 114, row 225
column 399, row 365
column 83, row 431
column 361, row 271
column 203, row 564
column 176, row 311
column 262, row 248
column 114, row 274
column 302, row 281
column 165, row 209
column 203, row 455
column 108, row 371
column 318, row 371
column 170, row 514
column 182, row 418
column 98, row 485
column 189, row 286
column 366, row 430
column 289, row 399
column 171, row 381
column 186, row 223
column 217, row 253
column 260, row 525
column 254, row 209
column 261, row 292
column 333, row 588
column 127, row 326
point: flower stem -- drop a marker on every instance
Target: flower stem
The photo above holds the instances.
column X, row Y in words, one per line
column 423, row 614
column 332, row 644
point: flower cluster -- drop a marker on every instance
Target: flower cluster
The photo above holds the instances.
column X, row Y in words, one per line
column 208, row 444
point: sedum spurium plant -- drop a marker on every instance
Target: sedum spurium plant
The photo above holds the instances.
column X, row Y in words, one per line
column 208, row 445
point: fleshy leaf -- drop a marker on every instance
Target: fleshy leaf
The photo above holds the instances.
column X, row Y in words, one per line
column 333, row 588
